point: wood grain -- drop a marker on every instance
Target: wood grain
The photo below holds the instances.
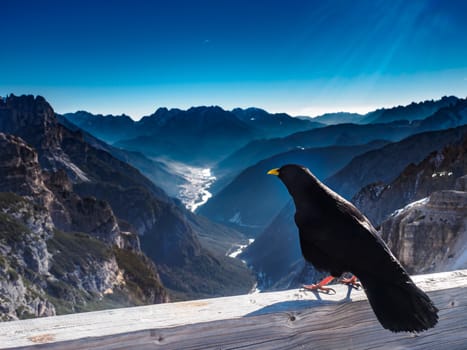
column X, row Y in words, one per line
column 282, row 320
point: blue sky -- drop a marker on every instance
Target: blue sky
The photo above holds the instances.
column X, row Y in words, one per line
column 301, row 57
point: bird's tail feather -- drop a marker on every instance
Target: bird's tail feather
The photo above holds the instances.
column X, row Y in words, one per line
column 400, row 307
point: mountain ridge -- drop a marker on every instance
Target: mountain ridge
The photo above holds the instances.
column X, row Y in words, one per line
column 440, row 170
column 377, row 165
column 202, row 128
column 345, row 134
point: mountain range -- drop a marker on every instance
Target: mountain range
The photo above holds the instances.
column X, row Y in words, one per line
column 349, row 134
column 208, row 133
column 386, row 163
column 89, row 214
column 411, row 112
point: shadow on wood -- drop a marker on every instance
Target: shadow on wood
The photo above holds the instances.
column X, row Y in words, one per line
column 302, row 304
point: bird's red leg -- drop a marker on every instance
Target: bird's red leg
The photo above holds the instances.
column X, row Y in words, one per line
column 320, row 286
column 352, row 281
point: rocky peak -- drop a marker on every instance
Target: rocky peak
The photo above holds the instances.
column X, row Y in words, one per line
column 31, row 118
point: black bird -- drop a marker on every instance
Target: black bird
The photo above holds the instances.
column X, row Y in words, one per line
column 337, row 238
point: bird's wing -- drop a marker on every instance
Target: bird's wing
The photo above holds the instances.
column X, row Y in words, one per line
column 350, row 240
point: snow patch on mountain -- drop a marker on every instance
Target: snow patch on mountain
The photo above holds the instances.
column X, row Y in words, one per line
column 419, row 203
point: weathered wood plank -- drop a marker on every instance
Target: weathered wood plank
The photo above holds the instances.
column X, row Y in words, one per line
column 282, row 320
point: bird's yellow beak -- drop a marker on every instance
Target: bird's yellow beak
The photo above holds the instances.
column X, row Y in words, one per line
column 274, row 172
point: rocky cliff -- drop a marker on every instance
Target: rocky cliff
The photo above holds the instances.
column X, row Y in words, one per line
column 429, row 232
column 45, row 270
column 430, row 235
column 24, row 258
column 20, row 171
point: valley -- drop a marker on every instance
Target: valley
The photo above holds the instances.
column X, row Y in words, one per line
column 193, row 192
column 164, row 197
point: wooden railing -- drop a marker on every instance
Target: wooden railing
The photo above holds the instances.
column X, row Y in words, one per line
column 291, row 319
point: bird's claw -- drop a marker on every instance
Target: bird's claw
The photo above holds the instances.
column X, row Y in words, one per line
column 352, row 282
column 318, row 288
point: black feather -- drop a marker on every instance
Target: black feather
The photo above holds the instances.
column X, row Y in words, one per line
column 336, row 237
